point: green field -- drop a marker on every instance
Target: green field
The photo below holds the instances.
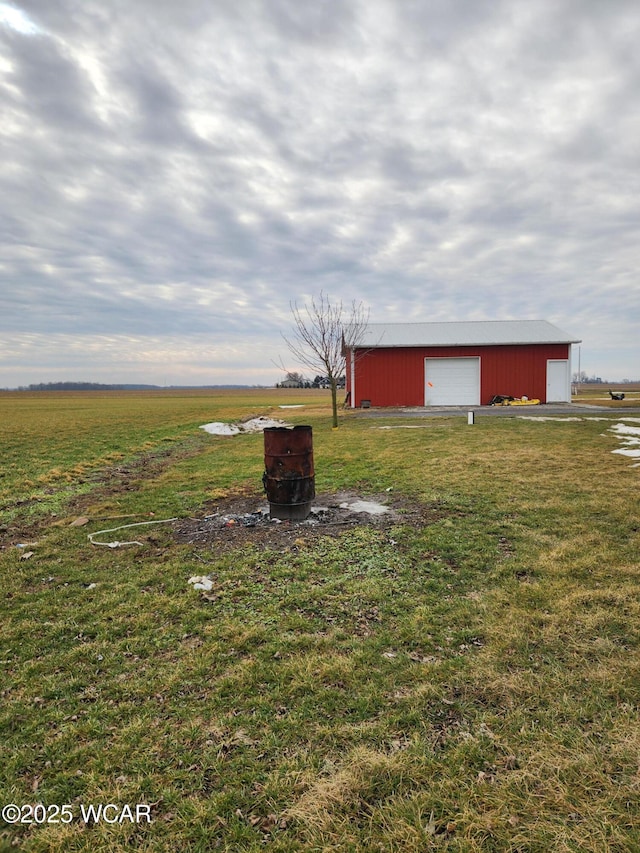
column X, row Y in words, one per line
column 466, row 682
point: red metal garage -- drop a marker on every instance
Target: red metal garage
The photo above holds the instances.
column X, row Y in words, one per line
column 457, row 364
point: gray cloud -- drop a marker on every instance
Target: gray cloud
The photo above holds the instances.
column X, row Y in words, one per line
column 179, row 173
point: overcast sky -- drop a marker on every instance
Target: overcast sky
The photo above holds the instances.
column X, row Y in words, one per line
column 173, row 173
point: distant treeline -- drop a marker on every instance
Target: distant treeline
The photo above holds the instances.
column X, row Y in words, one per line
column 97, row 386
column 69, row 386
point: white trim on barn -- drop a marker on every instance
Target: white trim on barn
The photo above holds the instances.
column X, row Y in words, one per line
column 352, row 369
column 452, row 381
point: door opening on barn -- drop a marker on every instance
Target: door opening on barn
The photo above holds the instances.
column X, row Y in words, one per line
column 452, row 381
column 558, row 385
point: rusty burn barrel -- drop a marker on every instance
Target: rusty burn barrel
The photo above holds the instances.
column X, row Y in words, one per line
column 289, row 476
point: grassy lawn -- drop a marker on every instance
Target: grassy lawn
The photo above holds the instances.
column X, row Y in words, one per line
column 598, row 395
column 470, row 683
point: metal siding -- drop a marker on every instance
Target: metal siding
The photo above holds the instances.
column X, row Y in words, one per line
column 395, row 376
column 518, row 370
column 391, row 377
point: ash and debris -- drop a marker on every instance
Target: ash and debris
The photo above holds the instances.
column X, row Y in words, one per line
column 236, row 521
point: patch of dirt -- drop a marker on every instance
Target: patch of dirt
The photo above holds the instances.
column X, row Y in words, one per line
column 105, row 483
column 242, row 519
column 127, row 476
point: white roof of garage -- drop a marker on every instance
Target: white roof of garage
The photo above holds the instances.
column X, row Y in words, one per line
column 465, row 333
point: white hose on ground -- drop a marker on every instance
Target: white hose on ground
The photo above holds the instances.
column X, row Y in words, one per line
column 123, row 527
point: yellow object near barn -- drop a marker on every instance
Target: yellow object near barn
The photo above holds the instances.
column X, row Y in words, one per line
column 522, row 402
column 508, row 400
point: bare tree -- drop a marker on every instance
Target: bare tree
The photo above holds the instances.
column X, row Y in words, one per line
column 318, row 338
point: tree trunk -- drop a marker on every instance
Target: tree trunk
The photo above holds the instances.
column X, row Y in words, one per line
column 334, row 401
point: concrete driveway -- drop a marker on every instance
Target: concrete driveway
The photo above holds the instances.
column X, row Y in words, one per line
column 575, row 410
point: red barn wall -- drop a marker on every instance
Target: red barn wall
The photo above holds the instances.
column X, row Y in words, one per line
column 395, row 376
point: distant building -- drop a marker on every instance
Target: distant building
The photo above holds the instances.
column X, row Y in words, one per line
column 458, row 363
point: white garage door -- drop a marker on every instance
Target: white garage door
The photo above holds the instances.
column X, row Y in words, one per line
column 452, row 381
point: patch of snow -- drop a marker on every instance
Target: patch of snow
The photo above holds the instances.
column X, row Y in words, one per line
column 624, row 429
column 251, row 426
column 405, row 426
column 260, row 424
column 369, row 507
column 629, row 436
column 217, row 428
column 545, row 418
